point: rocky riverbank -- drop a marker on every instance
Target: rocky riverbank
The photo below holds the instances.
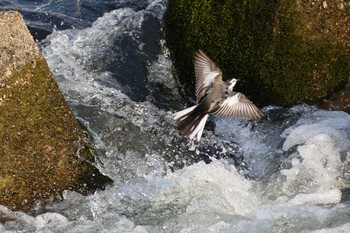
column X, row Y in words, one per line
column 43, row 149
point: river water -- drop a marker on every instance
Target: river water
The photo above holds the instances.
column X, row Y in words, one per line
column 287, row 173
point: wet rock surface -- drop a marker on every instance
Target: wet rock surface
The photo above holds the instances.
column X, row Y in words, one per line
column 43, row 149
column 284, row 52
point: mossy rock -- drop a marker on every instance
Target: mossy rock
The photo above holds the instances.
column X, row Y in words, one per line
column 43, row 149
column 280, row 50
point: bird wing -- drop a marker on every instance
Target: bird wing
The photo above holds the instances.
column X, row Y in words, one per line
column 206, row 71
column 237, row 105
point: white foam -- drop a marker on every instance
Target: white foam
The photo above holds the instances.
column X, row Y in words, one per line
column 51, row 220
column 331, row 196
column 319, row 167
column 340, row 229
column 317, row 164
column 215, row 187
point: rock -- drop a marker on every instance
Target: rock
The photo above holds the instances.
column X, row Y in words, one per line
column 340, row 5
column 43, row 149
column 283, row 52
column 324, row 4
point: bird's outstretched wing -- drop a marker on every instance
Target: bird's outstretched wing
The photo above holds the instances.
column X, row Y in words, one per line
column 206, row 71
column 237, row 105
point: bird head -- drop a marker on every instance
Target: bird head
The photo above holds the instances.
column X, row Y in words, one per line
column 232, row 83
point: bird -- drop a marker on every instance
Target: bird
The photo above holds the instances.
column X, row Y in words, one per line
column 213, row 97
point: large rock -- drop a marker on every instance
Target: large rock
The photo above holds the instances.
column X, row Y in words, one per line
column 43, row 150
column 284, row 51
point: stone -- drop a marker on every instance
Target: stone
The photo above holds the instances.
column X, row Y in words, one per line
column 340, row 5
column 43, row 149
column 284, row 52
column 324, row 4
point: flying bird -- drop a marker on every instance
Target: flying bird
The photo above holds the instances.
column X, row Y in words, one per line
column 213, row 96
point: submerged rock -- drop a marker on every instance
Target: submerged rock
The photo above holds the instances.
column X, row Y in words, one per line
column 43, row 149
column 284, row 52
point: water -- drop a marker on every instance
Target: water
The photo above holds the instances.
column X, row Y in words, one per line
column 43, row 16
column 288, row 173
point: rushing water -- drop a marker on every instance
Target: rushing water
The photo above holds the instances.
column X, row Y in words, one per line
column 288, row 173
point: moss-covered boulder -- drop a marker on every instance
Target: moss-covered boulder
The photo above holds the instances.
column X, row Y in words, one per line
column 284, row 52
column 43, row 150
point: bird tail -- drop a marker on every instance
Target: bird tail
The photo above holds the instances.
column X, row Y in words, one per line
column 191, row 121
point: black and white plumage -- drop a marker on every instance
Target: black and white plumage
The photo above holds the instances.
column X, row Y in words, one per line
column 213, row 96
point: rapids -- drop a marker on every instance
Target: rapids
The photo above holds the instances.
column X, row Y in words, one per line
column 287, row 173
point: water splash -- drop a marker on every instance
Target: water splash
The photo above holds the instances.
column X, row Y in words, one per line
column 286, row 173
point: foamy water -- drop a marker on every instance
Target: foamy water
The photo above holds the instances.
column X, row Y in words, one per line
column 295, row 163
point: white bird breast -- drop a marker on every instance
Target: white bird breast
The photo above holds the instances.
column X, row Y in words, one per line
column 230, row 101
column 210, row 77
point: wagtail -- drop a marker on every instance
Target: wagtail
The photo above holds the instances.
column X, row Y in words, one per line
column 213, row 96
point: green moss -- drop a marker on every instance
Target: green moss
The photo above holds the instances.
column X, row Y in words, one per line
column 43, row 150
column 263, row 43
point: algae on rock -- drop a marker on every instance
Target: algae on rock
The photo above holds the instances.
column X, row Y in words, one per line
column 43, row 149
column 276, row 48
